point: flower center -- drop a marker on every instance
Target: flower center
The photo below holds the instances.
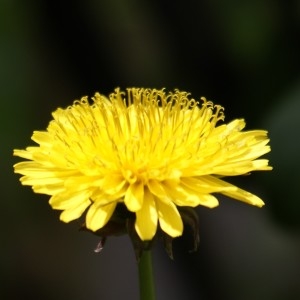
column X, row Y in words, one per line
column 130, row 176
column 139, row 175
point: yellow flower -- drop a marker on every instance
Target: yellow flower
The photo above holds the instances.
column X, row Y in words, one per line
column 151, row 150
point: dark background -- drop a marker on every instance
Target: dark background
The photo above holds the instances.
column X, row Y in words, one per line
column 243, row 55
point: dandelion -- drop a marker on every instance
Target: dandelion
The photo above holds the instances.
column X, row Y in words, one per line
column 152, row 151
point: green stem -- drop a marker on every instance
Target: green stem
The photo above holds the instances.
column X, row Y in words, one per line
column 146, row 276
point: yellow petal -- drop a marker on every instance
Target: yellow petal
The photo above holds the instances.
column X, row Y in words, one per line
column 169, row 218
column 261, row 164
column 240, row 167
column 134, row 196
column 239, row 194
column 67, row 200
column 74, row 212
column 204, row 184
column 245, row 196
column 184, row 195
column 23, row 153
column 49, row 189
column 98, row 215
column 208, row 200
column 38, row 170
column 156, row 188
column 113, row 184
column 28, row 180
column 81, row 182
column 146, row 218
column 42, row 138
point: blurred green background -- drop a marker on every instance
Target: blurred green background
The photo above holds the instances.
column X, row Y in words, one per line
column 243, row 55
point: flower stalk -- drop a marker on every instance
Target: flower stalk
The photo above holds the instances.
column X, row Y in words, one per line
column 147, row 288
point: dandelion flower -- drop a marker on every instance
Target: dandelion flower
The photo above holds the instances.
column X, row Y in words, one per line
column 151, row 150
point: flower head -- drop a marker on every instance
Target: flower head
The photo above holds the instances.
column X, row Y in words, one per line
column 151, row 150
